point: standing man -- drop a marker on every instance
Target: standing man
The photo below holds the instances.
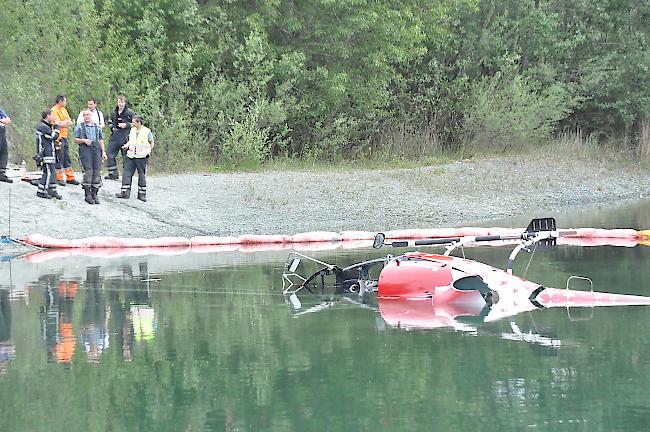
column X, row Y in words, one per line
column 90, row 138
column 64, row 172
column 4, row 147
column 119, row 124
column 138, row 149
column 46, row 134
column 97, row 115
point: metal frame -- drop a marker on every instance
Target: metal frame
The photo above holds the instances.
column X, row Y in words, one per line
column 292, row 281
column 591, row 288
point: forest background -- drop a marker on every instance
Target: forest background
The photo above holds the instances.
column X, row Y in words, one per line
column 235, row 83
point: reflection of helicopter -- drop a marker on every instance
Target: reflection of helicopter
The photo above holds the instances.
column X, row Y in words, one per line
column 424, row 291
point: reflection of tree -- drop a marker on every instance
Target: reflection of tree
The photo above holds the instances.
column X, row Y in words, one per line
column 56, row 318
column 7, row 349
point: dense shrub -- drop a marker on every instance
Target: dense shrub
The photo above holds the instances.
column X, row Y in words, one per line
column 506, row 112
column 243, row 82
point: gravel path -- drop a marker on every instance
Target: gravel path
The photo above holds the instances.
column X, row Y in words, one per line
column 453, row 194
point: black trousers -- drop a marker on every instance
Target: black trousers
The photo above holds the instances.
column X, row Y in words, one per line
column 48, row 179
column 4, row 150
column 91, row 161
column 131, row 165
column 112, row 150
column 63, row 159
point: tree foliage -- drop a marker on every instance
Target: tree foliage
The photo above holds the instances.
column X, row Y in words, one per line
column 240, row 82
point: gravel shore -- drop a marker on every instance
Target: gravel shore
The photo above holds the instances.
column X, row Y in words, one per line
column 453, row 194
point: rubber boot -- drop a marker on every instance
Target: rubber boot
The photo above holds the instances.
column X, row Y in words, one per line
column 94, row 191
column 142, row 196
column 54, row 194
column 43, row 195
column 89, row 195
column 123, row 194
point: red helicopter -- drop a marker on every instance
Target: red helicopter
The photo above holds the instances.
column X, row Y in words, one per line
column 420, row 290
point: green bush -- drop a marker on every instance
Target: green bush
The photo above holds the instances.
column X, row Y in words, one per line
column 227, row 82
column 246, row 142
column 506, row 112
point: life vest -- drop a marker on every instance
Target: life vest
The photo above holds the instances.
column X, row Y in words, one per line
column 139, row 145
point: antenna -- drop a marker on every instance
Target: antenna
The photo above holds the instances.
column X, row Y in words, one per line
column 9, row 213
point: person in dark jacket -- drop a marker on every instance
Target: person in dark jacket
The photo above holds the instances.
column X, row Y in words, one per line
column 46, row 135
column 4, row 151
column 119, row 124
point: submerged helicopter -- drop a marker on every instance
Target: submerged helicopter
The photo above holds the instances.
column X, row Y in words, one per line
column 418, row 290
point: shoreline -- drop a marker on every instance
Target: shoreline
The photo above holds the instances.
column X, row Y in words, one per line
column 449, row 195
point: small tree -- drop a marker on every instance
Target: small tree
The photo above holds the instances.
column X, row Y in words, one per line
column 505, row 112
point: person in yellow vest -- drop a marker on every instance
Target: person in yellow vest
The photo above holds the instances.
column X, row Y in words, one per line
column 64, row 172
column 138, row 148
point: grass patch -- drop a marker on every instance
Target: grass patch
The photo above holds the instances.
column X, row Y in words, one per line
column 566, row 146
column 577, row 146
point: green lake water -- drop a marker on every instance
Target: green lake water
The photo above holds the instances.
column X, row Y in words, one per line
column 200, row 342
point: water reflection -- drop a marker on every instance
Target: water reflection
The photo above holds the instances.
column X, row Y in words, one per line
column 115, row 311
column 143, row 316
column 93, row 332
column 206, row 342
column 56, row 317
column 7, row 348
column 121, row 294
column 424, row 316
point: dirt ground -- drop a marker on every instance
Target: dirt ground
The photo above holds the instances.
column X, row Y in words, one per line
column 454, row 194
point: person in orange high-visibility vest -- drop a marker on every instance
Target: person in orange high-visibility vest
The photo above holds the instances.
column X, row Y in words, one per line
column 64, row 172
